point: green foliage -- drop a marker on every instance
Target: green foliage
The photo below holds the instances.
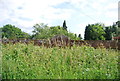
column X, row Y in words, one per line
column 112, row 31
column 25, row 35
column 55, row 30
column 108, row 33
column 11, row 32
column 116, row 28
column 72, row 36
column 94, row 32
column 22, row 61
column 42, row 31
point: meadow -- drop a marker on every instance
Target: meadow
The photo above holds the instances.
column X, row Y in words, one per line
column 21, row 61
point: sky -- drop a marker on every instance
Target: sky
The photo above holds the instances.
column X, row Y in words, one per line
column 77, row 13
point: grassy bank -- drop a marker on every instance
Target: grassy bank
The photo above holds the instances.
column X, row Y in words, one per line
column 22, row 61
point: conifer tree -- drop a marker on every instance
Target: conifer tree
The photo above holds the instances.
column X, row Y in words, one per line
column 64, row 25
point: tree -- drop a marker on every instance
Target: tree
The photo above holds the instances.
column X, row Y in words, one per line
column 11, row 32
column 64, row 25
column 112, row 31
column 75, row 35
column 0, row 32
column 108, row 33
column 79, row 36
column 118, row 28
column 115, row 29
column 87, row 31
column 118, row 23
column 94, row 32
column 42, row 31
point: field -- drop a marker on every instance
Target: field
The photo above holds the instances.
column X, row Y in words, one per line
column 21, row 61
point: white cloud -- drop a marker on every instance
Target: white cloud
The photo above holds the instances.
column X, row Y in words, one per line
column 26, row 13
column 34, row 9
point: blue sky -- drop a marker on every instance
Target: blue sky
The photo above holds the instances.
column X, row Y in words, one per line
column 77, row 13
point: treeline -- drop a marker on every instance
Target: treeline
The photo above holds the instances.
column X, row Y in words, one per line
column 41, row 31
column 95, row 31
column 99, row 31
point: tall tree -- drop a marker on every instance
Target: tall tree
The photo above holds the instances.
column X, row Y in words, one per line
column 118, row 23
column 118, row 28
column 64, row 25
column 87, row 31
column 112, row 31
column 108, row 33
column 94, row 32
column 115, row 29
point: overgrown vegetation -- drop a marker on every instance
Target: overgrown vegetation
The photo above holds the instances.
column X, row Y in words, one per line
column 21, row 61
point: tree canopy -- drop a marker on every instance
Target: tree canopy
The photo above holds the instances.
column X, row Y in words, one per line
column 42, row 31
column 94, row 32
column 11, row 32
column 108, row 33
column 112, row 31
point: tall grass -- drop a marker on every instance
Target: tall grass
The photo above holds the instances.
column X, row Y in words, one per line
column 22, row 61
